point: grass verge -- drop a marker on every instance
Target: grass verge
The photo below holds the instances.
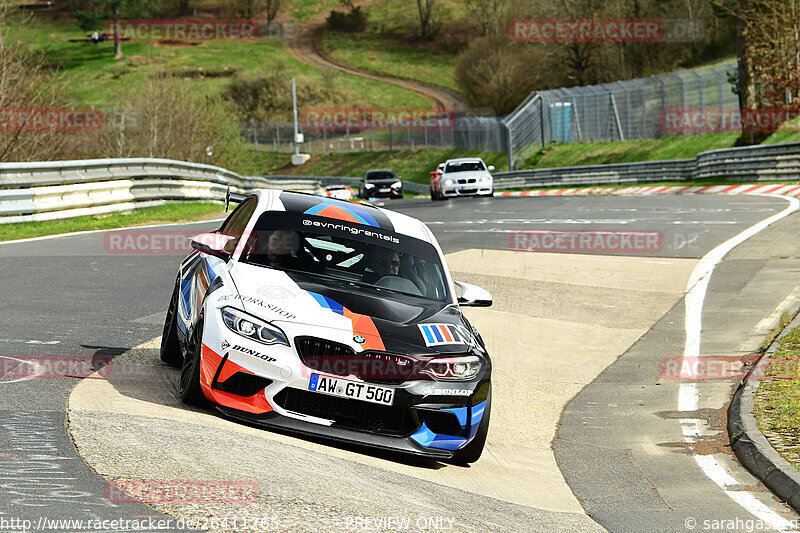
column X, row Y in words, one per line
column 389, row 55
column 777, row 402
column 172, row 212
column 411, row 165
column 578, row 154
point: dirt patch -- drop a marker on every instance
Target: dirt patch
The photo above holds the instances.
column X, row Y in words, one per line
column 175, row 42
column 715, row 419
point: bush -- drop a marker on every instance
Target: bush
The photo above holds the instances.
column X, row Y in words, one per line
column 495, row 73
column 269, row 98
column 168, row 118
column 353, row 21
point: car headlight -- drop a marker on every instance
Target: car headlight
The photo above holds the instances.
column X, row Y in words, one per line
column 453, row 368
column 448, row 181
column 396, row 185
column 248, row 326
column 369, row 186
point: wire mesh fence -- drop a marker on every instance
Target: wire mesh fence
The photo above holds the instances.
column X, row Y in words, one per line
column 644, row 108
column 465, row 133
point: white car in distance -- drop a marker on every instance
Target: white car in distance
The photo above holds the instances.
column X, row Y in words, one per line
column 466, row 177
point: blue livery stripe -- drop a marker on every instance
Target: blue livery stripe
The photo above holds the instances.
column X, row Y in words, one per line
column 437, row 334
column 428, row 335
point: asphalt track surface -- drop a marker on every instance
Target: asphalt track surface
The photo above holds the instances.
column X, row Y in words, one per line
column 619, row 444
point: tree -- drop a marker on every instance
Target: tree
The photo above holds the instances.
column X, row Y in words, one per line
column 27, row 89
column 90, row 12
column 488, row 14
column 273, row 8
column 428, row 27
column 768, row 56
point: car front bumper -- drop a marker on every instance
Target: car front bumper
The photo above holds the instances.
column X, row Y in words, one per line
column 471, row 189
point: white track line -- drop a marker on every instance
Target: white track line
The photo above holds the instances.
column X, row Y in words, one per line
column 688, row 396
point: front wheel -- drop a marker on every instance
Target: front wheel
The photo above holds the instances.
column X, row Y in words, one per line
column 170, row 347
column 189, row 388
column 472, row 451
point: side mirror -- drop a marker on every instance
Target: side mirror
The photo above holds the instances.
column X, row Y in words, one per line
column 473, row 296
column 214, row 244
column 491, row 168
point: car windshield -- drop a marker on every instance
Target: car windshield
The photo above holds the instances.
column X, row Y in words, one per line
column 362, row 255
column 381, row 175
column 466, row 166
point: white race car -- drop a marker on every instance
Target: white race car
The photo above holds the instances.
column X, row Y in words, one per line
column 326, row 317
column 342, row 192
column 466, row 177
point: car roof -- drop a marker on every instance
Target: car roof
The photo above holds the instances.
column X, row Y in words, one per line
column 464, row 160
column 379, row 170
column 336, row 209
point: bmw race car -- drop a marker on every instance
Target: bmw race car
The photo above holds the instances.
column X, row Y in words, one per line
column 325, row 317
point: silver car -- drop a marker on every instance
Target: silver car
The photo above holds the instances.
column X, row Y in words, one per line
column 466, row 177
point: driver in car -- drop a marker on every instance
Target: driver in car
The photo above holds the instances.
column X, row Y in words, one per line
column 383, row 262
column 282, row 247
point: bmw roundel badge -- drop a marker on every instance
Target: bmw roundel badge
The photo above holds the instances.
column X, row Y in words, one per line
column 359, row 339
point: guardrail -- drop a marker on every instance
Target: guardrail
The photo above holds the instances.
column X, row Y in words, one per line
column 776, row 162
column 64, row 189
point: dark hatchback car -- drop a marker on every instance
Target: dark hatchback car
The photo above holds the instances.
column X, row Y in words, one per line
column 381, row 183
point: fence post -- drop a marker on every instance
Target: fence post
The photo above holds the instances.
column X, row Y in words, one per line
column 663, row 97
column 719, row 92
column 255, row 135
column 700, row 85
column 541, row 119
column 510, row 150
column 627, row 108
column 278, row 134
column 390, row 137
column 324, row 139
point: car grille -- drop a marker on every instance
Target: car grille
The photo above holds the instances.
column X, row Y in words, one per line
column 340, row 360
column 467, row 191
column 348, row 414
column 243, row 384
column 465, row 181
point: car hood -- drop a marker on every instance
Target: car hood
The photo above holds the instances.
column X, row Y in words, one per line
column 387, row 321
column 467, row 175
column 382, row 182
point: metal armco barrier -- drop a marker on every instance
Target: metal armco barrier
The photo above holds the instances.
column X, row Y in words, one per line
column 64, row 189
column 772, row 162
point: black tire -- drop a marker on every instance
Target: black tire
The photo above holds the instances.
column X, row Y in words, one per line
column 472, row 451
column 189, row 388
column 170, row 347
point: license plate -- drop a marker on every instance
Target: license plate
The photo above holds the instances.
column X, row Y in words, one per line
column 384, row 190
column 355, row 390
